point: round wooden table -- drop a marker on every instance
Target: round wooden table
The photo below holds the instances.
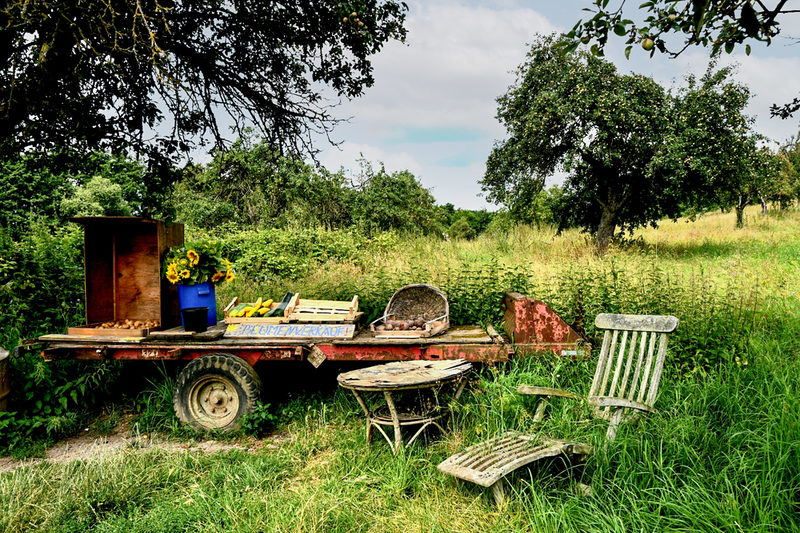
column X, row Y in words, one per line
column 400, row 376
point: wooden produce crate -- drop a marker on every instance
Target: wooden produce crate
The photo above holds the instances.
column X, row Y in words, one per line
column 302, row 311
column 122, row 261
column 324, row 311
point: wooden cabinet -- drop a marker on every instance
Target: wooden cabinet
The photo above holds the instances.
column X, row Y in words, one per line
column 122, row 259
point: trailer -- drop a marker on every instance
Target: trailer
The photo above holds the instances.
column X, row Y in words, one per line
column 219, row 384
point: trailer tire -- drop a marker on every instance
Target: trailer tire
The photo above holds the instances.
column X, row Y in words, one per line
column 215, row 390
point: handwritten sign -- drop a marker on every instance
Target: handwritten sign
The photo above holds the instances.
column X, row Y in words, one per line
column 293, row 331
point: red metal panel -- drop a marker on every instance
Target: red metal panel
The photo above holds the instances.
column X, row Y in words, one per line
column 532, row 325
column 251, row 354
column 478, row 353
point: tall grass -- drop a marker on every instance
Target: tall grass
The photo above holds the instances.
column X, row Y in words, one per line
column 721, row 454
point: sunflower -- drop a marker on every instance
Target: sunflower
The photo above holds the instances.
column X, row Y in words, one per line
column 173, row 277
column 185, row 274
column 172, row 268
column 193, row 256
column 230, row 275
column 184, row 262
column 217, row 276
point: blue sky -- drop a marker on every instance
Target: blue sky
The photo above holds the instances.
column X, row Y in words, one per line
column 432, row 107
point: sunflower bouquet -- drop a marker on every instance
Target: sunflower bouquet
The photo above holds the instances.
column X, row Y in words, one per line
column 200, row 262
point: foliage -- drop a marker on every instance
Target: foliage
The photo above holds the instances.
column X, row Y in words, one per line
column 574, row 111
column 395, row 201
column 198, row 262
column 291, row 253
column 708, row 149
column 38, row 184
column 461, row 229
column 252, row 184
column 98, row 197
column 114, row 75
column 41, row 281
column 260, row 421
column 720, row 24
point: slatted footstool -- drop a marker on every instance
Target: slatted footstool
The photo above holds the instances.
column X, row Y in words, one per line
column 486, row 463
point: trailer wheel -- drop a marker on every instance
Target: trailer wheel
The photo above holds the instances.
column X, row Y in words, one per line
column 215, row 390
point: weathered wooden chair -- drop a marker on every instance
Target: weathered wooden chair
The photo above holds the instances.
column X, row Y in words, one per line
column 625, row 384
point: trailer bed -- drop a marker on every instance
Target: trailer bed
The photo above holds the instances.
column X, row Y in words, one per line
column 472, row 343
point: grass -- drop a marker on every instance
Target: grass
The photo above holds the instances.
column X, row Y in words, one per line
column 722, row 454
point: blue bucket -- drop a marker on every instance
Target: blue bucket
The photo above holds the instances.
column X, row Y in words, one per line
column 198, row 295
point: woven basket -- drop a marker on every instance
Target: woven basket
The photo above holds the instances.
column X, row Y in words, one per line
column 418, row 301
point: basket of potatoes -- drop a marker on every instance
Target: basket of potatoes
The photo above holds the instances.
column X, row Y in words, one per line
column 414, row 311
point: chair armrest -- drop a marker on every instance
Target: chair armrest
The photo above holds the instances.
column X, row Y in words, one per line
column 544, row 391
column 610, row 401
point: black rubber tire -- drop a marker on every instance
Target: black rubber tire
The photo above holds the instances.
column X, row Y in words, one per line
column 223, row 374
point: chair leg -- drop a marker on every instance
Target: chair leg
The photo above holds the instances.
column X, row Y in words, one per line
column 499, row 492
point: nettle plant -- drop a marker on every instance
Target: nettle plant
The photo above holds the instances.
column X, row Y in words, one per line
column 200, row 262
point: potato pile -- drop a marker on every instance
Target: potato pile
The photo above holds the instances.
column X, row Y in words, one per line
column 131, row 324
column 412, row 324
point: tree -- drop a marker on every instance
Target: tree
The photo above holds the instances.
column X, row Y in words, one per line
column 720, row 24
column 157, row 77
column 98, row 197
column 576, row 112
column 252, row 184
column 395, row 201
column 33, row 184
column 709, row 151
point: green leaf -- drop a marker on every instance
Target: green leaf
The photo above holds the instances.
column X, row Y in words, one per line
column 596, row 50
column 729, row 47
column 628, row 52
column 747, row 49
column 619, row 29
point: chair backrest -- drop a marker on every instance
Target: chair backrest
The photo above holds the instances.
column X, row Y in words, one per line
column 632, row 358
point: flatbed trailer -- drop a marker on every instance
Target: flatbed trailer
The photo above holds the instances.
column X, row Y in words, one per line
column 219, row 384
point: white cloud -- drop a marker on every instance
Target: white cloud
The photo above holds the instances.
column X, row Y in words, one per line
column 460, row 57
column 456, row 61
column 348, row 153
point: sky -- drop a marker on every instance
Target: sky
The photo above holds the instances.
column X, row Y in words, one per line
column 432, row 107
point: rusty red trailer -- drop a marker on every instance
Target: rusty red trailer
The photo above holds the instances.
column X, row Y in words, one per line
column 220, row 371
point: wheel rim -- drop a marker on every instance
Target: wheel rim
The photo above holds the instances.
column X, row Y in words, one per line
column 213, row 402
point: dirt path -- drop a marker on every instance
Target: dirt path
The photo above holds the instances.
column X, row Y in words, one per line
column 89, row 446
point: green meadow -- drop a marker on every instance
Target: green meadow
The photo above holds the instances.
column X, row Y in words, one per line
column 721, row 454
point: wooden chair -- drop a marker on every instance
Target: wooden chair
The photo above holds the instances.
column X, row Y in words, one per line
column 625, row 385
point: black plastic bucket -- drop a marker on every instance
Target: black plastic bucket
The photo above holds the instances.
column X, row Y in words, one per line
column 195, row 319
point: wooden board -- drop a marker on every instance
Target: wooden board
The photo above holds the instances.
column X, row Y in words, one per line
column 86, row 339
column 403, row 374
column 292, row 331
column 93, row 331
column 181, row 335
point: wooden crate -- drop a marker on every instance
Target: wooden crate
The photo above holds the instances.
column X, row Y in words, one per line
column 303, row 311
column 122, row 261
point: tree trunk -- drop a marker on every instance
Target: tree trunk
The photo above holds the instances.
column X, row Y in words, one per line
column 739, row 217
column 605, row 231
column 744, row 199
column 763, row 206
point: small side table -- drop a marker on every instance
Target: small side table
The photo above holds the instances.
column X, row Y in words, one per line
column 390, row 378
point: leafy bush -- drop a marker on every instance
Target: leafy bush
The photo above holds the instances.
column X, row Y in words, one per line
column 290, row 254
column 97, row 197
column 259, row 421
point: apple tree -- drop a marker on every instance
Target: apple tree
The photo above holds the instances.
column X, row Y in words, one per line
column 709, row 151
column 156, row 78
column 574, row 112
column 672, row 26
